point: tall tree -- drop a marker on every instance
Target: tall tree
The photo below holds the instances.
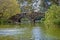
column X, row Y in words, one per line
column 30, row 5
column 9, row 8
column 57, row 2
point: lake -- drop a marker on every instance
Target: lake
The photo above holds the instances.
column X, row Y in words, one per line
column 27, row 31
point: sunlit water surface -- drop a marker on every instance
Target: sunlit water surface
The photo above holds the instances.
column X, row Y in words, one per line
column 28, row 32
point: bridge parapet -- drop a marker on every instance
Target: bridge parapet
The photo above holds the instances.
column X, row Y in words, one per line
column 32, row 16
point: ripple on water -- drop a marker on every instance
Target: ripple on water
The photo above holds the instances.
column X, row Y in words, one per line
column 37, row 33
column 11, row 31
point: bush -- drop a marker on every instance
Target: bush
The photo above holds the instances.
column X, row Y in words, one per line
column 3, row 21
column 52, row 16
column 9, row 8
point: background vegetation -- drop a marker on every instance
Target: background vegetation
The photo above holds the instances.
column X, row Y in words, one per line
column 52, row 16
column 8, row 8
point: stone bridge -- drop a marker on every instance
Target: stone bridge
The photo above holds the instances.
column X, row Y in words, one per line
column 31, row 16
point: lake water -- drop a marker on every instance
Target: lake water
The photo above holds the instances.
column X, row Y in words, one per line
column 28, row 32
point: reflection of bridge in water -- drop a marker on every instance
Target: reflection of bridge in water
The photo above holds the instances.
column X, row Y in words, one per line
column 30, row 16
column 35, row 33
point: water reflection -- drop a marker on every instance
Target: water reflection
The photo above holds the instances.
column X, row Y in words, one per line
column 53, row 33
column 37, row 33
column 29, row 32
column 11, row 31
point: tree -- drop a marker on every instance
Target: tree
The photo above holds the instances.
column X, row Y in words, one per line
column 25, row 5
column 57, row 2
column 52, row 16
column 30, row 5
column 9, row 8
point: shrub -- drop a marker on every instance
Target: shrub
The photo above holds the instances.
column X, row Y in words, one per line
column 52, row 16
column 9, row 8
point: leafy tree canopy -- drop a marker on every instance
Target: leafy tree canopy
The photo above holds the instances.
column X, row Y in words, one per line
column 52, row 16
column 9, row 8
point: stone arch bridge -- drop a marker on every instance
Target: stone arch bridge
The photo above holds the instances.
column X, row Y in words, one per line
column 31, row 16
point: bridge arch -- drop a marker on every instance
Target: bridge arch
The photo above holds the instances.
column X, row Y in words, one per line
column 31, row 17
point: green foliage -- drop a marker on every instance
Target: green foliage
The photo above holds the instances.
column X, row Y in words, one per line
column 9, row 8
column 55, row 1
column 3, row 21
column 52, row 16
